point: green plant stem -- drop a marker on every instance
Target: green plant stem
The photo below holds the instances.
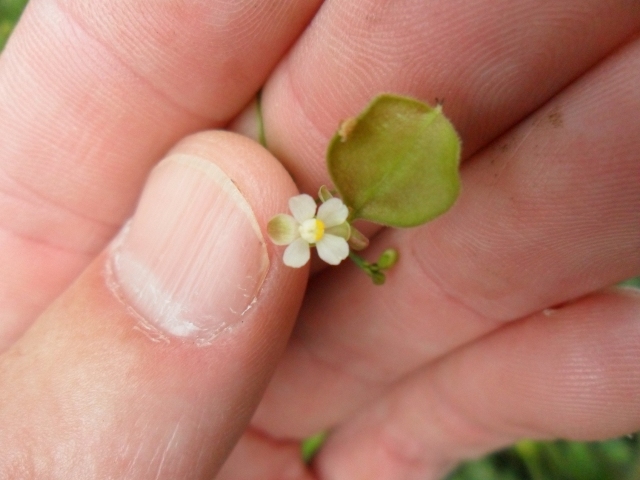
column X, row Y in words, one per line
column 528, row 451
column 262, row 138
column 359, row 261
column 311, row 446
column 370, row 269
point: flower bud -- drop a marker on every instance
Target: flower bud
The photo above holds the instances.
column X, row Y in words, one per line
column 387, row 259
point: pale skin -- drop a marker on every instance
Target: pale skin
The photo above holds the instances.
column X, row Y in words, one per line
column 498, row 323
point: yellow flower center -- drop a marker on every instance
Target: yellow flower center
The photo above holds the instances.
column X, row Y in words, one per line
column 312, row 230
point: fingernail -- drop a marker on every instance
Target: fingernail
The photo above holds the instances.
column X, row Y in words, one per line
column 192, row 259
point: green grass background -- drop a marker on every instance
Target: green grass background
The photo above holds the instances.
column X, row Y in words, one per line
column 9, row 12
column 617, row 459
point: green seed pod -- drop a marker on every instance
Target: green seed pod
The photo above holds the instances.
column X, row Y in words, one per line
column 396, row 163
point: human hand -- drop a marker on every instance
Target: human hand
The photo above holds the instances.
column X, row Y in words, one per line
column 494, row 325
column 94, row 122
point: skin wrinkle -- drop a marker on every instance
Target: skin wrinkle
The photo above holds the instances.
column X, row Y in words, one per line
column 43, row 239
column 378, row 375
column 224, row 80
column 52, row 248
column 325, row 362
column 337, row 368
column 316, row 171
column 129, row 67
column 297, row 94
column 451, row 294
column 449, row 419
column 424, row 271
column 458, row 419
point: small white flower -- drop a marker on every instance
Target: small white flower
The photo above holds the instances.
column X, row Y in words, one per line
column 327, row 230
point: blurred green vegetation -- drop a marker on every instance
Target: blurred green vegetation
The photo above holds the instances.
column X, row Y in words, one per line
column 634, row 282
column 10, row 11
column 612, row 460
column 561, row 460
column 616, row 459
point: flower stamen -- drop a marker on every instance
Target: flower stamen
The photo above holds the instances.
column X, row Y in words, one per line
column 312, row 230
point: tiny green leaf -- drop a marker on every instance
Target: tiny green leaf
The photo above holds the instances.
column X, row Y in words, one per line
column 397, row 162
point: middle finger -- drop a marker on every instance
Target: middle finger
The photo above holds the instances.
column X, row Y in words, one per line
column 492, row 61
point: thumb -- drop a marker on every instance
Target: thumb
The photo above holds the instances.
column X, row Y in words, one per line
column 152, row 363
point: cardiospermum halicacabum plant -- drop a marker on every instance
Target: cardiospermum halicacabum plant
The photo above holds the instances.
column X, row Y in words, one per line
column 396, row 164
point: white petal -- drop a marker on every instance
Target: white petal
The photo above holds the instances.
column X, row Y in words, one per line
column 333, row 212
column 303, row 207
column 283, row 229
column 332, row 249
column 297, row 254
